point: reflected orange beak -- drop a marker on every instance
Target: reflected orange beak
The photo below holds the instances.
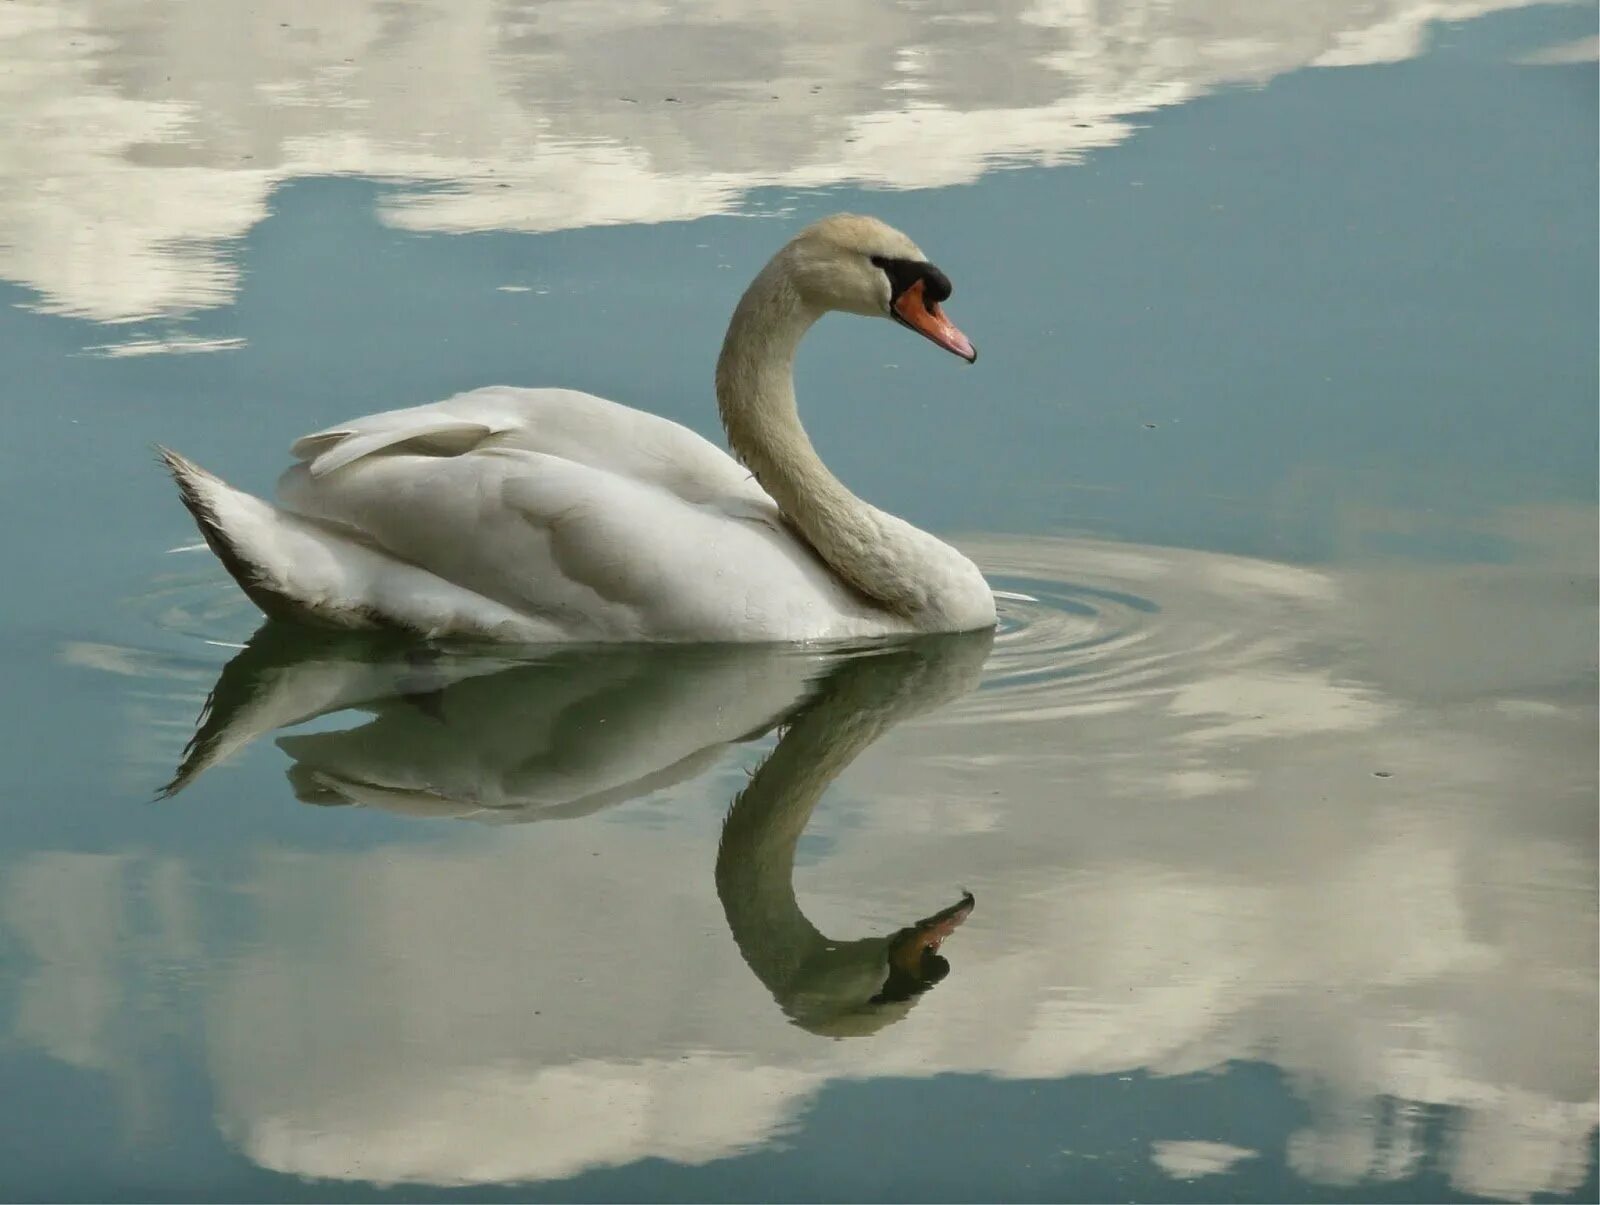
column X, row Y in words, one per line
column 927, row 319
column 906, row 948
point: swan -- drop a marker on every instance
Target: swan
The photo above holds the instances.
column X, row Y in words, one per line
column 827, row 986
column 501, row 739
column 550, row 515
column 469, row 732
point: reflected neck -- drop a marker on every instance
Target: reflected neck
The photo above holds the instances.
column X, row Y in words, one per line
column 755, row 858
column 855, row 704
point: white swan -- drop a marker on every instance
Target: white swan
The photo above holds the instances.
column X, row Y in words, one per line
column 552, row 515
column 496, row 738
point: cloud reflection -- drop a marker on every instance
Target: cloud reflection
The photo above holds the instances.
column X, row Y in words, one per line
column 1208, row 816
column 142, row 138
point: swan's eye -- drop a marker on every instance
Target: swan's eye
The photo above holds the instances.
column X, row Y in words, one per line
column 903, row 273
column 938, row 288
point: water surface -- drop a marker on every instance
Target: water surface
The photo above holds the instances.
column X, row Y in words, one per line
column 1253, row 858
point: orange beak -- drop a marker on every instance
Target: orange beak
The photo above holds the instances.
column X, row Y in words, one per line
column 907, row 947
column 927, row 319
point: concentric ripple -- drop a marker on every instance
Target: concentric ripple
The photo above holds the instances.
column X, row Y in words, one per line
column 195, row 600
column 1087, row 625
column 1081, row 622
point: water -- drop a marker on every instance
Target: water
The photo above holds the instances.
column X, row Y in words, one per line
column 1274, row 792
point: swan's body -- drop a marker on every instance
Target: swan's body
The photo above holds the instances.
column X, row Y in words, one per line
column 552, row 515
column 510, row 739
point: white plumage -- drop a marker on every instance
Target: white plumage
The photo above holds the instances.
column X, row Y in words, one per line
column 553, row 515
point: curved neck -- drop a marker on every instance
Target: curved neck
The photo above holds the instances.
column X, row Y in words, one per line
column 855, row 704
column 755, row 857
column 755, row 396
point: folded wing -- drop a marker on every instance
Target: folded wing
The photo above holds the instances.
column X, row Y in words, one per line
column 604, row 522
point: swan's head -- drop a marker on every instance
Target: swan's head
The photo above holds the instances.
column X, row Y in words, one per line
column 859, row 987
column 862, row 266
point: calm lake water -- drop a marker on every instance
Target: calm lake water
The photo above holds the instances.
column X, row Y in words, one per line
column 1275, row 793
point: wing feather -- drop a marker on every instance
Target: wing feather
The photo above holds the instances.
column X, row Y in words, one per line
column 609, row 523
column 438, row 435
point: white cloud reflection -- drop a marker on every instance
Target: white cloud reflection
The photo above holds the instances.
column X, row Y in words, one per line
column 140, row 138
column 1234, row 828
column 1174, row 825
column 1188, row 1160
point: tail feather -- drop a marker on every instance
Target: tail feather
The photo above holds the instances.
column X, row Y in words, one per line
column 298, row 569
column 283, row 676
column 213, row 503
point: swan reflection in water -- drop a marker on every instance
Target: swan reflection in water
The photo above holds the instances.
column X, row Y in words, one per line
column 479, row 734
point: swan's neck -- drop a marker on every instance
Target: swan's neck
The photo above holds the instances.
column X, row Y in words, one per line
column 756, row 856
column 755, row 394
column 856, row 703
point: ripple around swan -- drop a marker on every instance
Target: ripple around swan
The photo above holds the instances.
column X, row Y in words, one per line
column 1084, row 625
column 1087, row 618
column 1090, row 626
column 197, row 602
